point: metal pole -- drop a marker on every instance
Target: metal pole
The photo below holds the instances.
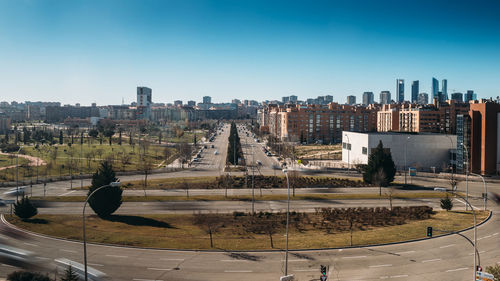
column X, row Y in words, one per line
column 466, row 176
column 406, row 149
column 253, row 186
column 485, row 196
column 17, row 174
column 287, row 221
column 81, row 162
column 83, row 224
column 348, row 152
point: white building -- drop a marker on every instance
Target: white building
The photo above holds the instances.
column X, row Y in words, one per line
column 423, row 151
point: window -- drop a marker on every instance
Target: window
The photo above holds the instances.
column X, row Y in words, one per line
column 364, row 150
column 344, row 145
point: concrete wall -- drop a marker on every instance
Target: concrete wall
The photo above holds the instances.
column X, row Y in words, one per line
column 422, row 150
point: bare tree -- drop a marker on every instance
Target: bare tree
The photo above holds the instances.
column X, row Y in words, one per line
column 378, row 179
column 185, row 185
column 294, row 179
column 265, row 223
column 390, row 195
column 209, row 223
column 146, row 165
column 185, row 151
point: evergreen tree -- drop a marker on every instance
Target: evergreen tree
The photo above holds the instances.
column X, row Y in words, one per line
column 446, row 203
column 380, row 163
column 24, row 209
column 69, row 275
column 107, row 200
column 61, row 138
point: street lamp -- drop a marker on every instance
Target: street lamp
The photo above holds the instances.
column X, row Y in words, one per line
column 406, row 148
column 17, row 173
column 466, row 174
column 287, row 220
column 348, row 152
column 112, row 184
column 485, row 196
column 475, row 231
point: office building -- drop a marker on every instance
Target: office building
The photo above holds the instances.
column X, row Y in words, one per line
column 421, row 151
column 368, row 98
column 484, row 152
column 207, row 99
column 144, row 102
column 385, row 97
column 444, row 90
column 458, row 97
column 285, row 99
column 423, row 98
column 463, row 143
column 328, row 99
column 178, row 103
column 414, row 91
column 351, row 100
column 293, row 99
column 469, row 96
column 435, row 88
column 400, row 90
column 191, row 103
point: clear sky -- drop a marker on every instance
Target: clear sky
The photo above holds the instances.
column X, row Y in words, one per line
column 100, row 51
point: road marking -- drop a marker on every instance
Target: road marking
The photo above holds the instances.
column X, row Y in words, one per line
column 295, row 260
column 160, row 269
column 458, row 269
column 394, row 276
column 42, row 258
column 95, row 264
column 355, row 257
column 407, row 252
column 380, row 265
column 430, row 260
column 67, row 193
column 466, row 204
column 237, row 271
column 451, row 245
column 305, row 270
column 234, row 261
column 69, row 251
column 478, row 252
column 495, row 234
column 116, row 256
column 29, row 244
column 165, row 259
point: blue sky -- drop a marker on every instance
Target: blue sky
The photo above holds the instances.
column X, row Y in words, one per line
column 99, row 51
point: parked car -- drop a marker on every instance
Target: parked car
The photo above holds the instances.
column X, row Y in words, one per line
column 216, row 152
column 213, row 146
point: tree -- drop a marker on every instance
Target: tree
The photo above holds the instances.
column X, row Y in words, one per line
column 27, row 276
column 446, row 203
column 70, row 275
column 61, row 138
column 146, row 165
column 24, row 209
column 93, row 133
column 293, row 178
column 107, row 200
column 209, row 223
column 378, row 179
column 265, row 223
column 495, row 270
column 380, row 158
column 185, row 151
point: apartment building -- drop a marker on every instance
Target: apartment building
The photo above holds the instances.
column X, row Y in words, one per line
column 388, row 118
column 319, row 123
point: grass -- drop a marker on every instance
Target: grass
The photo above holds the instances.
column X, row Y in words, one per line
column 319, row 151
column 271, row 197
column 6, row 161
column 177, row 231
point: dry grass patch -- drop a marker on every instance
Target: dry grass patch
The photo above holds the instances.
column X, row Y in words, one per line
column 178, row 231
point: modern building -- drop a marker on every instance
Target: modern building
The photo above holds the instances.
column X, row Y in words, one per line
column 484, row 146
column 469, row 96
column 385, row 97
column 351, row 100
column 191, row 103
column 435, row 88
column 388, row 118
column 177, row 103
column 293, row 98
column 414, row 91
column 423, row 98
column 458, row 97
column 400, row 90
column 144, row 102
column 368, row 98
column 444, row 90
column 463, row 143
column 424, row 151
column 285, row 99
column 328, row 99
column 207, row 99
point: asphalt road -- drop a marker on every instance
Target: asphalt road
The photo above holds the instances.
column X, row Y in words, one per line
column 444, row 258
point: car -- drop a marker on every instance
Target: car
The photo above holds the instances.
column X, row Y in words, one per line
column 15, row 191
column 216, row 152
column 205, row 146
column 259, row 162
column 269, row 153
column 196, row 159
column 213, row 146
column 198, row 155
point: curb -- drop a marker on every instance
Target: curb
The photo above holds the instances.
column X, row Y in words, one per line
column 2, row 218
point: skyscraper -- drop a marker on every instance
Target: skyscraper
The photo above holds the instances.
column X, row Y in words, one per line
column 207, row 99
column 423, row 98
column 414, row 91
column 385, row 97
column 400, row 90
column 435, row 88
column 144, row 101
column 444, row 90
column 293, row 98
column 328, row 98
column 469, row 96
column 458, row 97
column 368, row 98
column 351, row 100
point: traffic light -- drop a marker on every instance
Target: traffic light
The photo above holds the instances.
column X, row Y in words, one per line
column 429, row 231
column 323, row 270
column 479, row 268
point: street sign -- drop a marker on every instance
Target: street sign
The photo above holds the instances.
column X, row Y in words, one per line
column 412, row 171
column 483, row 276
column 287, row 278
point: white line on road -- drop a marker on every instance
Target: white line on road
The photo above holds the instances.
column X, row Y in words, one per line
column 394, row 276
column 29, row 244
column 495, row 234
column 69, row 251
column 3, row 264
column 234, row 261
column 95, row 264
column 451, row 245
column 466, row 204
column 67, row 193
column 42, row 258
column 458, row 269
column 295, row 260
column 159, row 269
column 431, row 260
column 165, row 259
column 237, row 271
column 355, row 257
column 380, row 265
column 116, row 256
column 407, row 252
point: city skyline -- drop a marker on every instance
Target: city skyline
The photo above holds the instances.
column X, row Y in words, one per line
column 53, row 51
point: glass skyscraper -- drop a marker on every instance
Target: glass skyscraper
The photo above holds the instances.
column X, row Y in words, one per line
column 435, row 88
column 444, row 90
column 414, row 91
column 400, row 90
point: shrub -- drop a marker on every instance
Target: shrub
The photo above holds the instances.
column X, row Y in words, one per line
column 495, row 270
column 107, row 200
column 446, row 203
column 24, row 209
column 27, row 276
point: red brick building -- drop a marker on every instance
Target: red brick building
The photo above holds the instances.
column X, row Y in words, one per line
column 484, row 150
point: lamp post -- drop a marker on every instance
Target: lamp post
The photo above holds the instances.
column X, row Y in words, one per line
column 348, row 152
column 475, row 231
column 253, row 185
column 485, row 196
column 112, row 184
column 17, row 173
column 287, row 220
column 406, row 149
column 466, row 174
